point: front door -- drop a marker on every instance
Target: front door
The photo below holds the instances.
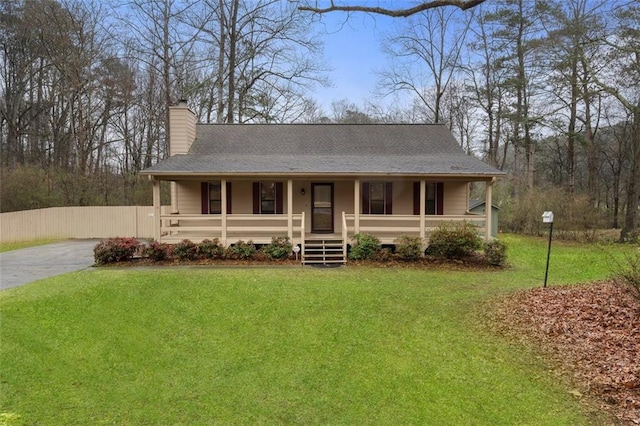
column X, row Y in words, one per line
column 322, row 207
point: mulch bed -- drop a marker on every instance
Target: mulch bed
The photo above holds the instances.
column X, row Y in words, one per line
column 591, row 331
column 476, row 262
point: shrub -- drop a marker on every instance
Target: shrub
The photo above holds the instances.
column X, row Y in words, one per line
column 495, row 253
column 241, row 250
column 279, row 248
column 186, row 250
column 366, row 247
column 408, row 247
column 157, row 251
column 628, row 273
column 115, row 250
column 454, row 241
column 576, row 218
column 384, row 255
column 211, row 249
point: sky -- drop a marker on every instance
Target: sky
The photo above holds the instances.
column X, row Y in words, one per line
column 352, row 50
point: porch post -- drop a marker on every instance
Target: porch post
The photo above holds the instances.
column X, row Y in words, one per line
column 223, row 211
column 487, row 210
column 174, row 197
column 290, row 209
column 356, row 206
column 157, row 222
column 423, row 202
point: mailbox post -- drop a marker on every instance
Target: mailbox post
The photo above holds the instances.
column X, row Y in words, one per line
column 547, row 217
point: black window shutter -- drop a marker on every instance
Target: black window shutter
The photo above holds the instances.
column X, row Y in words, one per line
column 204, row 197
column 440, row 198
column 256, row 197
column 279, row 201
column 365, row 197
column 228, row 197
column 388, row 198
column 416, row 198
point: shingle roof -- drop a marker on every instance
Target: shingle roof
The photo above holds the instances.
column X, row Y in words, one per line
column 324, row 148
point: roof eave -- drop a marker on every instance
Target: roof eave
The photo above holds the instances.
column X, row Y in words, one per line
column 192, row 174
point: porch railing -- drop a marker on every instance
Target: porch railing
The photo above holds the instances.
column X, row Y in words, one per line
column 261, row 228
column 390, row 227
column 230, row 228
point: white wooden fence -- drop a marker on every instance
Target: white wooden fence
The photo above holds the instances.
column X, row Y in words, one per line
column 77, row 222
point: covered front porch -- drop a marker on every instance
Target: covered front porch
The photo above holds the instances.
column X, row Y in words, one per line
column 309, row 208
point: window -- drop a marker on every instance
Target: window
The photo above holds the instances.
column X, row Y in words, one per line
column 377, row 197
column 211, row 193
column 267, row 197
column 433, row 198
column 215, row 198
column 432, row 189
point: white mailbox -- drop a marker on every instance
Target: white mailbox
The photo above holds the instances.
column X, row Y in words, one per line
column 547, row 217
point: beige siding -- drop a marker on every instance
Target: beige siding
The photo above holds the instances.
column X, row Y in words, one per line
column 403, row 197
column 456, row 199
column 343, row 202
column 189, row 197
column 302, row 203
column 242, row 197
column 77, row 222
column 182, row 124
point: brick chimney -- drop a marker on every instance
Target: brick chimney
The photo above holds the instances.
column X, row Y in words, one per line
column 182, row 128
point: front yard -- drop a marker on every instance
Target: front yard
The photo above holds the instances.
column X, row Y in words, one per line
column 354, row 345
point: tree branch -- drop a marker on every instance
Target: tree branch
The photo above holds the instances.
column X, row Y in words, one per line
column 395, row 13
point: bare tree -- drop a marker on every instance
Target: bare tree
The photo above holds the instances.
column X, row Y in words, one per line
column 519, row 32
column 624, row 84
column 431, row 41
column 397, row 12
column 159, row 37
column 613, row 149
column 262, row 59
column 486, row 87
column 573, row 57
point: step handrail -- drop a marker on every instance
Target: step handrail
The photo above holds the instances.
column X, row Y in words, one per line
column 344, row 235
column 302, row 237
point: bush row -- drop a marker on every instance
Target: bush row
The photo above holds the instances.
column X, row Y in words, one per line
column 124, row 249
column 448, row 241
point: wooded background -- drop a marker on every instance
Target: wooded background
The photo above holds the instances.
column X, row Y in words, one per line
column 546, row 90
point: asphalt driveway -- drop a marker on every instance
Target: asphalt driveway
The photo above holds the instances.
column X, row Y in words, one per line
column 23, row 266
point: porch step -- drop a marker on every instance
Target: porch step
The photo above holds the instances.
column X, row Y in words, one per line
column 323, row 251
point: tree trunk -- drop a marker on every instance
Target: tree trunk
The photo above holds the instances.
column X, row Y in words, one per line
column 233, row 41
column 631, row 214
column 221, row 54
column 592, row 154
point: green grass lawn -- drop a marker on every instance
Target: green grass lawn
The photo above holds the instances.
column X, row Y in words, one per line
column 281, row 346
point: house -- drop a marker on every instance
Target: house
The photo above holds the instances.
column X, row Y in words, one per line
column 318, row 184
column 477, row 207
